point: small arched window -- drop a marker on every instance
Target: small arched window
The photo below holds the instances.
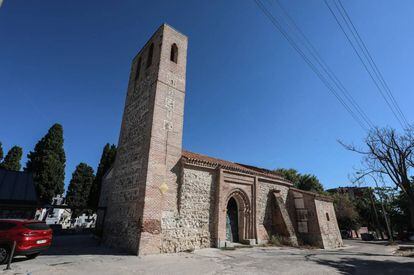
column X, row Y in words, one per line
column 150, row 53
column 327, row 216
column 138, row 69
column 174, row 53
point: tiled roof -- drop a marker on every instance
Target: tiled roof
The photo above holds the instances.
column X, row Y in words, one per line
column 17, row 188
column 207, row 161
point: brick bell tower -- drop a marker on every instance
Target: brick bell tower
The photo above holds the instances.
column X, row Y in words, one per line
column 144, row 182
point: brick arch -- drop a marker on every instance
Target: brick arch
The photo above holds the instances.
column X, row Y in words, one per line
column 244, row 213
column 241, row 198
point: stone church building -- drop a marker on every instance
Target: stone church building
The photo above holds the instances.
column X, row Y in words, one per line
column 159, row 198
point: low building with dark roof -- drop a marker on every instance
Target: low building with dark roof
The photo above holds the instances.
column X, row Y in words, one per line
column 18, row 198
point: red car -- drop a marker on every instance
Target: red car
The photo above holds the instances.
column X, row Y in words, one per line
column 32, row 237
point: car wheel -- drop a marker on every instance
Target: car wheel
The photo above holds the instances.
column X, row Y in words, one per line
column 32, row 256
column 4, row 255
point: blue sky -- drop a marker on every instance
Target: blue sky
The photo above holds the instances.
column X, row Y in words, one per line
column 250, row 97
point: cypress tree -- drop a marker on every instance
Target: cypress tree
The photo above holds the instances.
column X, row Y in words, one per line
column 107, row 160
column 47, row 163
column 79, row 188
column 12, row 159
column 1, row 152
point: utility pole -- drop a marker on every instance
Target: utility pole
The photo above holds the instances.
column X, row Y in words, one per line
column 380, row 194
column 371, row 197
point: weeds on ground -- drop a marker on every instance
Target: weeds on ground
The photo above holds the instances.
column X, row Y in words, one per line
column 405, row 252
column 227, row 248
column 277, row 240
column 280, row 241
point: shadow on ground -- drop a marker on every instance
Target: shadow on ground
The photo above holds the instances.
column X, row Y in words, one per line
column 75, row 244
column 362, row 266
column 377, row 242
column 79, row 244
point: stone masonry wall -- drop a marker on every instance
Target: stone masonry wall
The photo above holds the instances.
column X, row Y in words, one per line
column 262, row 203
column 331, row 236
column 189, row 227
column 122, row 224
column 144, row 179
column 308, row 230
column 315, row 219
column 166, row 140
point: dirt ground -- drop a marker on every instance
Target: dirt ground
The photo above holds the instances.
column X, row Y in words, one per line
column 81, row 254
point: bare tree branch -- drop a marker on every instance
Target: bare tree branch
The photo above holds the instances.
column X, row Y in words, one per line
column 390, row 155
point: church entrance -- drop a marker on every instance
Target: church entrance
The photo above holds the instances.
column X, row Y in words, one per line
column 232, row 221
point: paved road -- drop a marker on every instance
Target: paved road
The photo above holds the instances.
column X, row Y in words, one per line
column 81, row 255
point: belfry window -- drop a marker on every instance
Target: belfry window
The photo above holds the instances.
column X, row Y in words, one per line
column 174, row 53
column 150, row 53
column 327, row 217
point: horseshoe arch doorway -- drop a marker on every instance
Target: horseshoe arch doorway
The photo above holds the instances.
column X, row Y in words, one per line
column 232, row 221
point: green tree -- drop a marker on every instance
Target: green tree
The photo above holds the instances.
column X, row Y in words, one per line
column 1, row 152
column 369, row 209
column 290, row 174
column 79, row 188
column 309, row 182
column 47, row 163
column 12, row 159
column 398, row 208
column 346, row 212
column 107, row 160
column 304, row 182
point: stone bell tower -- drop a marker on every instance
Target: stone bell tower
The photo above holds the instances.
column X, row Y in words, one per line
column 144, row 177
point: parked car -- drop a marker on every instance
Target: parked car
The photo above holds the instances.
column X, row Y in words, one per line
column 31, row 237
column 367, row 237
column 345, row 234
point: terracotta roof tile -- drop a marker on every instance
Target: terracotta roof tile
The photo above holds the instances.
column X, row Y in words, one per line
column 203, row 160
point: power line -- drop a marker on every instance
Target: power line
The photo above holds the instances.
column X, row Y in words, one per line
column 326, row 68
column 278, row 26
column 378, row 72
column 363, row 63
column 391, row 103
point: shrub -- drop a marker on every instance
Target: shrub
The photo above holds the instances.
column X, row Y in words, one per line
column 278, row 240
